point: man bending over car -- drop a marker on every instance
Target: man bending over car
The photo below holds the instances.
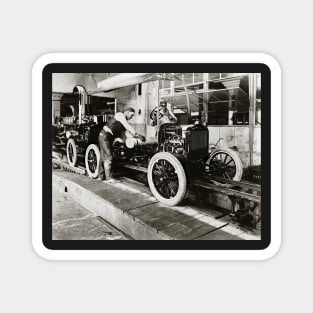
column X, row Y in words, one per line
column 115, row 128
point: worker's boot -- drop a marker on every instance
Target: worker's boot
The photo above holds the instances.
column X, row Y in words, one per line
column 108, row 172
column 107, row 169
column 101, row 171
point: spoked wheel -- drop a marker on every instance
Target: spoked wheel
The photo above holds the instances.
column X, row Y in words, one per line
column 224, row 163
column 167, row 178
column 71, row 152
column 92, row 159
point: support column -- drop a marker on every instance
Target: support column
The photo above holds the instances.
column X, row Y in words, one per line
column 252, row 100
column 205, row 98
column 158, row 105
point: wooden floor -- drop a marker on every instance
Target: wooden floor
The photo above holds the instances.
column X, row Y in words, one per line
column 130, row 206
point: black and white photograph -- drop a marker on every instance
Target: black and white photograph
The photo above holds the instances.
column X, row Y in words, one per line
column 156, row 156
column 150, row 156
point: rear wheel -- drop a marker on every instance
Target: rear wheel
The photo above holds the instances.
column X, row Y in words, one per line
column 224, row 163
column 71, row 152
column 167, row 178
column 92, row 160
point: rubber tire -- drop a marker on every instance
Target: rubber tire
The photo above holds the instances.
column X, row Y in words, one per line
column 234, row 155
column 72, row 142
column 182, row 180
column 97, row 151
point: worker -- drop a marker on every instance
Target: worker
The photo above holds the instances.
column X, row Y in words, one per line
column 165, row 114
column 115, row 128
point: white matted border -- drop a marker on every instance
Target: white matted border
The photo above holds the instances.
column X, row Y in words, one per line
column 156, row 254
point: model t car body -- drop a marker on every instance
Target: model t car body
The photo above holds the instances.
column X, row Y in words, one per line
column 177, row 154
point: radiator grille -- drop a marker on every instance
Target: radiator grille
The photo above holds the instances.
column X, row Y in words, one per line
column 199, row 142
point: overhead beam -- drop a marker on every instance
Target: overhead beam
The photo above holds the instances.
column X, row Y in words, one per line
column 128, row 79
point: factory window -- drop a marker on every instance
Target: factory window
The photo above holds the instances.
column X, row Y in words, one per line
column 258, row 100
column 165, row 84
column 178, row 79
column 188, row 78
column 198, row 77
column 179, row 106
column 225, row 97
column 190, row 88
column 165, row 87
column 213, row 76
column 228, row 99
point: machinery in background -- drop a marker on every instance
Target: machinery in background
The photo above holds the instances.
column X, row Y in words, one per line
column 76, row 133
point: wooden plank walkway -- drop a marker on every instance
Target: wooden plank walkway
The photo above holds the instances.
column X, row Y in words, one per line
column 130, row 206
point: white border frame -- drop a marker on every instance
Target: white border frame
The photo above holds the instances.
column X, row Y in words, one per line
column 171, row 255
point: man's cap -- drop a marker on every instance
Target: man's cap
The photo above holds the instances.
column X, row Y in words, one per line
column 163, row 102
column 130, row 109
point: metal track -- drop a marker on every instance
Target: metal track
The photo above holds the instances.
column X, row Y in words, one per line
column 241, row 189
column 227, row 190
column 237, row 189
column 136, row 168
column 66, row 167
column 243, row 184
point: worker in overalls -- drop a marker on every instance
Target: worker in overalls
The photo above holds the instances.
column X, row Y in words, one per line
column 115, row 128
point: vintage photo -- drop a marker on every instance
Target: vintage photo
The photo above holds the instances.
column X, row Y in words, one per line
column 156, row 156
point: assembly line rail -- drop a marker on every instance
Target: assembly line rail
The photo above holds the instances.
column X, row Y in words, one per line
column 236, row 189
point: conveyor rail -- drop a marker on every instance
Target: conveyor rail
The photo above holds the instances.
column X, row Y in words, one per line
column 248, row 191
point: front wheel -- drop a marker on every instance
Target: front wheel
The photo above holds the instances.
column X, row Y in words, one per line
column 92, row 160
column 167, row 178
column 224, row 163
column 71, row 152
